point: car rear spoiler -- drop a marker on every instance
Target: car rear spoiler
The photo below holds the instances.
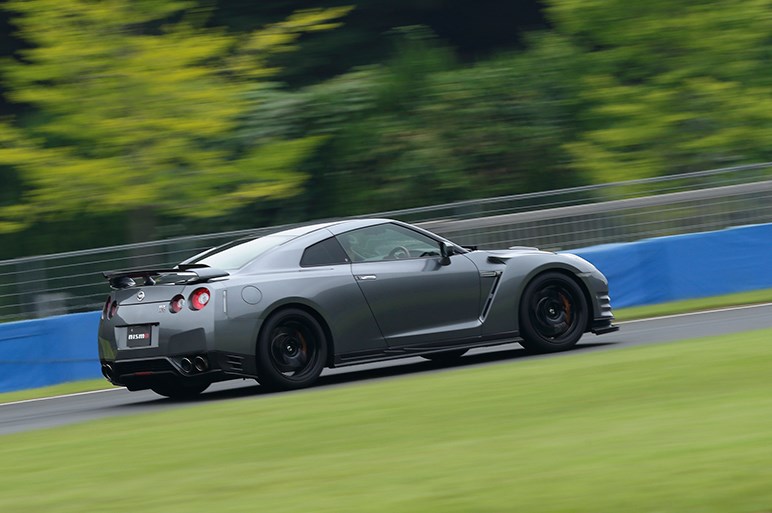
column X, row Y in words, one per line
column 188, row 274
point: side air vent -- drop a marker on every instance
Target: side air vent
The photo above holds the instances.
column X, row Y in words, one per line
column 235, row 362
column 495, row 278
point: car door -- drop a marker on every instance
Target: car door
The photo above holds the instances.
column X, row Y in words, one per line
column 416, row 297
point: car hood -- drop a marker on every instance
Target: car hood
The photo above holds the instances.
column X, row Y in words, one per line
column 501, row 255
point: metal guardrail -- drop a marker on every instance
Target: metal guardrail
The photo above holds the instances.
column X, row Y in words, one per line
column 617, row 220
column 560, row 219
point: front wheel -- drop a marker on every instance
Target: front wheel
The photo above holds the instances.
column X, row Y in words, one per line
column 291, row 350
column 553, row 313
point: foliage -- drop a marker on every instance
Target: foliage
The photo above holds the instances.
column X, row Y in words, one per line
column 474, row 33
column 672, row 86
column 153, row 109
column 421, row 128
column 135, row 104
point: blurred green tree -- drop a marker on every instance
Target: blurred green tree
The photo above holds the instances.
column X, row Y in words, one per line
column 421, row 128
column 670, row 86
column 474, row 31
column 134, row 105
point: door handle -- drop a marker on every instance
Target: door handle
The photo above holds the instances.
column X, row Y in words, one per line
column 366, row 277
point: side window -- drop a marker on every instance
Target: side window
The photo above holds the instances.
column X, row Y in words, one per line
column 387, row 242
column 327, row 252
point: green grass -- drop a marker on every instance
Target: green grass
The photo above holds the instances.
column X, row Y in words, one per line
column 64, row 388
column 670, row 427
column 694, row 305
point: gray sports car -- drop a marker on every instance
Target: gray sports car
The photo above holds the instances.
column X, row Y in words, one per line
column 281, row 307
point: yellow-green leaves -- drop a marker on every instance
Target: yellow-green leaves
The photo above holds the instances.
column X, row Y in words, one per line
column 135, row 106
column 252, row 51
column 670, row 86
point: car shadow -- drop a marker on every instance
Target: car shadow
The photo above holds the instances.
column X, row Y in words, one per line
column 384, row 370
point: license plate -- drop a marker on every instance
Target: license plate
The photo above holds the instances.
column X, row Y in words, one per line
column 139, row 336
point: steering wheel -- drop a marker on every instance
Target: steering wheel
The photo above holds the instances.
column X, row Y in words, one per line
column 399, row 253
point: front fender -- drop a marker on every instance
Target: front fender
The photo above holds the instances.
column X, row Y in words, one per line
column 519, row 271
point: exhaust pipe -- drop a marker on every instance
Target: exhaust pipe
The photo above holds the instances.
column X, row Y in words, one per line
column 107, row 372
column 200, row 363
column 187, row 365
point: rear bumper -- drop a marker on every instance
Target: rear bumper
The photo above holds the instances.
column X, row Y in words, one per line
column 142, row 373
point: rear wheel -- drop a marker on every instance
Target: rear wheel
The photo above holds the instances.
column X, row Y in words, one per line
column 177, row 388
column 291, row 350
column 553, row 313
column 445, row 356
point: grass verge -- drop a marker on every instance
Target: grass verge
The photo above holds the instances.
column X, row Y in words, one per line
column 670, row 427
column 694, row 305
column 62, row 389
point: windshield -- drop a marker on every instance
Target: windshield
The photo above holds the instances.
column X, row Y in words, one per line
column 239, row 253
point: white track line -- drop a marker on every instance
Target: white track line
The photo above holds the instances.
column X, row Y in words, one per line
column 62, row 396
column 701, row 312
column 728, row 309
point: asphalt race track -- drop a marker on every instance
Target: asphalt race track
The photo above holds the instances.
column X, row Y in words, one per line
column 43, row 413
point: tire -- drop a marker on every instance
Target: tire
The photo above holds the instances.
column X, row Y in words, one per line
column 445, row 356
column 177, row 388
column 553, row 313
column 291, row 350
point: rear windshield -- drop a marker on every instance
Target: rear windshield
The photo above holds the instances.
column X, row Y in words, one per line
column 239, row 253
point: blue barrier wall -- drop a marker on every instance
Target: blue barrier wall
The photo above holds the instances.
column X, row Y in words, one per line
column 685, row 266
column 59, row 349
column 48, row 351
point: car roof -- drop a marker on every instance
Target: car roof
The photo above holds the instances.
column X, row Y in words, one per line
column 298, row 231
column 336, row 227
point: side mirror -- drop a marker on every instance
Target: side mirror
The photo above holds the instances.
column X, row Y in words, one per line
column 445, row 253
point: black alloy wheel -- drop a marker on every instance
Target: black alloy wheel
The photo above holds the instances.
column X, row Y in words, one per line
column 553, row 313
column 291, row 350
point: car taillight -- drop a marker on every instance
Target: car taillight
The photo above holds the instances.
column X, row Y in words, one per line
column 113, row 310
column 106, row 307
column 177, row 304
column 199, row 298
